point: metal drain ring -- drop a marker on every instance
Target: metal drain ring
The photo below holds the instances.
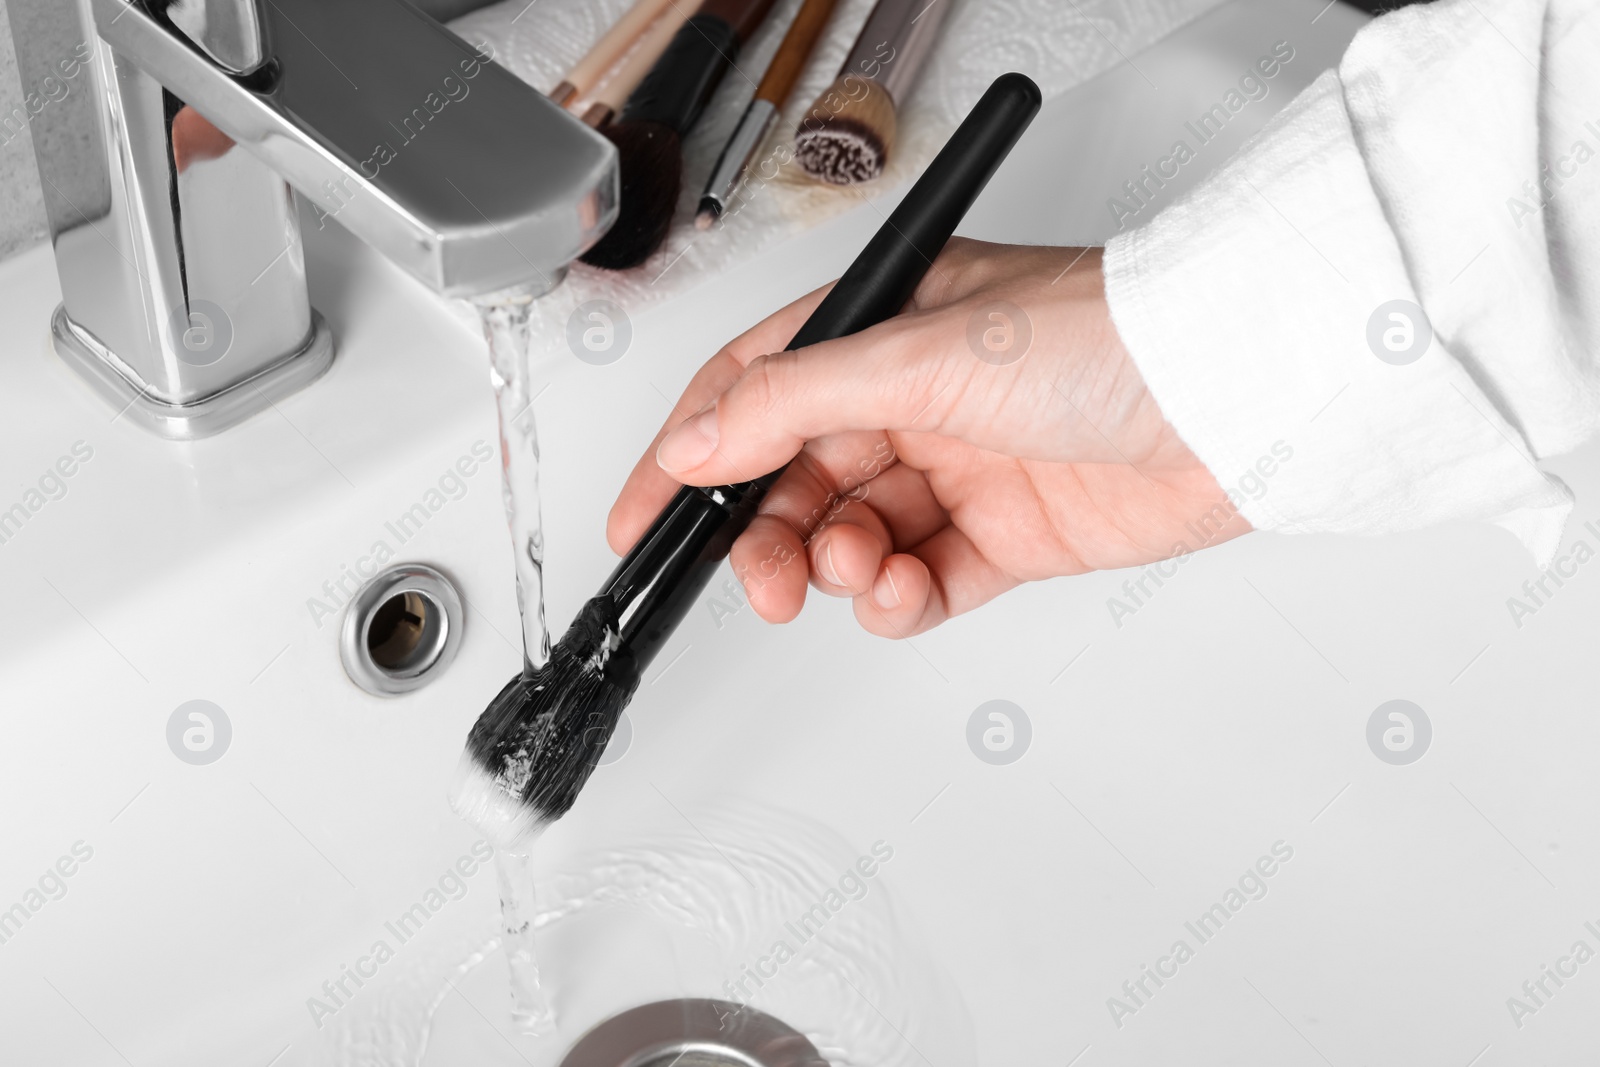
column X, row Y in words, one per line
column 693, row 1033
column 435, row 640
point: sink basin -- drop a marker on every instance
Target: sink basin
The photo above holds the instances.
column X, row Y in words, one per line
column 190, row 912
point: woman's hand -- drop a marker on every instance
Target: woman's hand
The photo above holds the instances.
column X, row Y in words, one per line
column 933, row 472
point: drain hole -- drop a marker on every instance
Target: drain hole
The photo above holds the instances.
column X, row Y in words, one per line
column 405, row 633
column 402, row 628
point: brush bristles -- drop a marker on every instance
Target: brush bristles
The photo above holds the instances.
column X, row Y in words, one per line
column 650, row 164
column 847, row 136
column 531, row 751
column 486, row 803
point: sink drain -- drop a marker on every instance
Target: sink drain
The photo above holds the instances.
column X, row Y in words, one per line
column 693, row 1033
column 402, row 628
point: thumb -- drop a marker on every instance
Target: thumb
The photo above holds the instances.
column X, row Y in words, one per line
column 888, row 377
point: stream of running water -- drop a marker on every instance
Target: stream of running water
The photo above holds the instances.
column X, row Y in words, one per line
column 510, row 325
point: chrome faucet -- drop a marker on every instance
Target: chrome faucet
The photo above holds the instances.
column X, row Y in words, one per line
column 180, row 256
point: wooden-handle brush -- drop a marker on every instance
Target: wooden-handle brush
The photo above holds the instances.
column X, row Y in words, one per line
column 611, row 94
column 535, row 746
column 849, row 132
column 758, row 118
column 623, row 34
column 649, row 132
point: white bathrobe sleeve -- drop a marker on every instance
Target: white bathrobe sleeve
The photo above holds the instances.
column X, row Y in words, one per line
column 1452, row 160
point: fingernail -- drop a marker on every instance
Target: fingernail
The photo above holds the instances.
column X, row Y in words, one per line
column 691, row 444
column 885, row 594
column 825, row 567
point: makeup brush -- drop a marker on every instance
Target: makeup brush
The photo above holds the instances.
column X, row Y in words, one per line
column 648, row 134
column 605, row 52
column 610, row 95
column 849, row 132
column 776, row 83
column 535, row 746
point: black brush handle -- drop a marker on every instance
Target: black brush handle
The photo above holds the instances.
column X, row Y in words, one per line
column 660, row 578
column 681, row 82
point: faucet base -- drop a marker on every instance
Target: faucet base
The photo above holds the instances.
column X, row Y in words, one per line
column 201, row 418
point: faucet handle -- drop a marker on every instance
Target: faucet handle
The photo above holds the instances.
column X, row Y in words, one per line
column 231, row 32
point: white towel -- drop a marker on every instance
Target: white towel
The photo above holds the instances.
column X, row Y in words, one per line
column 1058, row 44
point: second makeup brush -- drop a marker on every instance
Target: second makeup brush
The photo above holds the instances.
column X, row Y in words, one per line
column 649, row 132
column 613, row 91
column 776, row 83
column 622, row 35
column 849, row 132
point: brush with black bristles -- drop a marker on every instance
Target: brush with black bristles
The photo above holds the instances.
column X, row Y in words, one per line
column 849, row 133
column 649, row 131
column 531, row 752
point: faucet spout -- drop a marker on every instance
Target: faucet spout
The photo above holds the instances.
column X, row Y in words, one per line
column 462, row 173
column 164, row 167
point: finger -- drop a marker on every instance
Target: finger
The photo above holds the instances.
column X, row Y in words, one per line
column 943, row 577
column 826, row 472
column 896, row 507
column 774, row 558
column 647, row 488
column 884, row 378
column 902, row 497
column 829, row 467
column 194, row 139
column 769, row 560
column 846, row 555
column 898, row 599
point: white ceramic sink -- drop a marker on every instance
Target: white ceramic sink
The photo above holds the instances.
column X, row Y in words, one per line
column 1169, row 753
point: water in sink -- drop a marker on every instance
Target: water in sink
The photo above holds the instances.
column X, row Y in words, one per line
column 750, row 905
column 531, row 1010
